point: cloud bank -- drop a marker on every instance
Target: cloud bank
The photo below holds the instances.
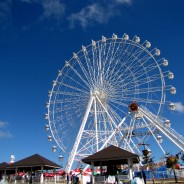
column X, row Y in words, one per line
column 5, row 13
column 52, row 9
column 4, row 133
column 179, row 107
column 90, row 14
column 3, row 124
column 99, row 12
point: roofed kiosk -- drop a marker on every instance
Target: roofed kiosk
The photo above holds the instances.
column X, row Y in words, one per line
column 111, row 154
column 110, row 157
column 31, row 163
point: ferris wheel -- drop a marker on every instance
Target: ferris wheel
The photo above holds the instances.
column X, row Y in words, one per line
column 111, row 92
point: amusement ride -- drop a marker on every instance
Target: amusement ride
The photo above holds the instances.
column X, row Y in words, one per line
column 111, row 92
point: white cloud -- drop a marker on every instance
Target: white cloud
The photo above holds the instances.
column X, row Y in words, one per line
column 3, row 124
column 5, row 134
column 52, row 9
column 89, row 14
column 5, row 13
column 99, row 12
column 179, row 107
column 124, row 1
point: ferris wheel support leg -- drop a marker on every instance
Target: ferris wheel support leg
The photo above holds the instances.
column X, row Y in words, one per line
column 130, row 131
column 96, row 125
column 179, row 143
column 78, row 138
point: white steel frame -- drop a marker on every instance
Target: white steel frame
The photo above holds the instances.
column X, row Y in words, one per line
column 88, row 103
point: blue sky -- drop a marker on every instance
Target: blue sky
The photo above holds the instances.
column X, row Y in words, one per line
column 37, row 36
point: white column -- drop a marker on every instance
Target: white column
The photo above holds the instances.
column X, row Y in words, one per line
column 93, row 177
column 15, row 175
column 41, row 177
column 130, row 165
column 54, row 176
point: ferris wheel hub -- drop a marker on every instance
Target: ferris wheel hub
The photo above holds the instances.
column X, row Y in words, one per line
column 101, row 94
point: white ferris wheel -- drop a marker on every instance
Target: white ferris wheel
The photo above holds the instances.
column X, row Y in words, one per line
column 112, row 92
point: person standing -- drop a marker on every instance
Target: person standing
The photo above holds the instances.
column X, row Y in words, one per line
column 144, row 176
column 67, row 178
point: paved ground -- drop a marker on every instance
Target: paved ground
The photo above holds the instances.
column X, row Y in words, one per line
column 180, row 181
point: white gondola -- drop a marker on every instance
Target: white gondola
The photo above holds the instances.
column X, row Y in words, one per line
column 137, row 39
column 148, row 44
column 173, row 90
column 170, row 75
column 165, row 62
column 49, row 138
column 60, row 158
column 159, row 139
column 172, row 106
column 47, row 127
column 125, row 37
column 157, row 52
column 46, row 116
column 54, row 148
column 167, row 123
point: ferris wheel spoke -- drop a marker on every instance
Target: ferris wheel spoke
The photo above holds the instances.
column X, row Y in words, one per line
column 88, row 64
column 85, row 72
column 70, row 94
column 140, row 81
column 109, row 57
column 116, row 57
column 80, row 77
column 66, row 100
column 109, row 72
column 129, row 62
column 138, row 100
column 139, row 63
column 119, row 119
column 70, row 88
column 139, row 91
column 94, row 61
column 128, row 77
column 102, row 53
column 75, row 82
column 139, row 72
column 99, row 65
column 116, row 106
